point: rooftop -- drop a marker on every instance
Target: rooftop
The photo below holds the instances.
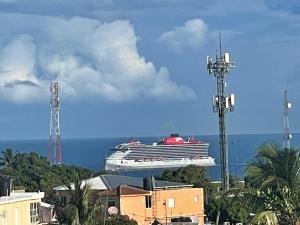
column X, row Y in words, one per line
column 113, row 181
column 21, row 196
column 125, row 190
column 109, row 182
column 95, row 182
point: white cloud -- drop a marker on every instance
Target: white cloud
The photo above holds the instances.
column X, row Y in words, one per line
column 191, row 35
column 89, row 59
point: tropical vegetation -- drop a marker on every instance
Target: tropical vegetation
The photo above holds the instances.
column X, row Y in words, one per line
column 84, row 208
column 270, row 195
column 273, row 181
column 33, row 172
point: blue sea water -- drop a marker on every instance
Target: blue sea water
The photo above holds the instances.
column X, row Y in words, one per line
column 91, row 152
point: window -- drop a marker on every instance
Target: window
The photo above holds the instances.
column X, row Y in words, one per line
column 63, row 200
column 111, row 203
column 34, row 216
column 148, row 201
column 171, row 202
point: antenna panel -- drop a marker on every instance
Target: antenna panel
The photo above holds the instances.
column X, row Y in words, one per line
column 226, row 56
column 232, row 99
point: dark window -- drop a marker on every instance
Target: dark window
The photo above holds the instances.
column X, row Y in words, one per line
column 148, row 201
column 63, row 200
column 111, row 203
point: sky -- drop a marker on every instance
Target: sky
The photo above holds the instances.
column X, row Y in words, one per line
column 138, row 68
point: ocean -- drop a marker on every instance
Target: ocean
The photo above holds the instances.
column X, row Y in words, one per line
column 91, row 152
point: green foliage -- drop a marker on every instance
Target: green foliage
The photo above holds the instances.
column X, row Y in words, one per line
column 274, row 167
column 265, row 218
column 120, row 220
column 33, row 172
column 85, row 208
column 229, row 206
column 88, row 206
column 273, row 185
column 190, row 175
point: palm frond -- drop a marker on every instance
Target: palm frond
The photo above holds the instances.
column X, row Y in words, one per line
column 266, row 217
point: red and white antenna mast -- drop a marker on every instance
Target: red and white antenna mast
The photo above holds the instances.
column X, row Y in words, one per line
column 55, row 138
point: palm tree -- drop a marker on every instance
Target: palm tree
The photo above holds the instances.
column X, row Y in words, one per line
column 80, row 196
column 83, row 209
column 8, row 158
column 274, row 184
column 275, row 167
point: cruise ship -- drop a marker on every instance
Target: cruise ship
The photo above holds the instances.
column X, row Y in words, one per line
column 171, row 152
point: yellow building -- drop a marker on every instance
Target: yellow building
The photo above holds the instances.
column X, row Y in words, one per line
column 20, row 208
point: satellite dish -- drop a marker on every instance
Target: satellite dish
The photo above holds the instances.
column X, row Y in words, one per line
column 112, row 210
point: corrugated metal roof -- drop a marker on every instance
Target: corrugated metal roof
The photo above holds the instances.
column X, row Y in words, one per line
column 105, row 182
column 113, row 181
column 95, row 182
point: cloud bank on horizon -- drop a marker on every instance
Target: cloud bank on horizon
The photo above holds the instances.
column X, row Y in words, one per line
column 89, row 59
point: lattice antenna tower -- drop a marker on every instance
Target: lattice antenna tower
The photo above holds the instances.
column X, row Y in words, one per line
column 286, row 126
column 222, row 104
column 55, row 154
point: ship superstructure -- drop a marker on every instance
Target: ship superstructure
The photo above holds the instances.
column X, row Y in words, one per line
column 171, row 152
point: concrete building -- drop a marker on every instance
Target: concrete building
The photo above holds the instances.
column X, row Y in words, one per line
column 20, row 208
column 145, row 200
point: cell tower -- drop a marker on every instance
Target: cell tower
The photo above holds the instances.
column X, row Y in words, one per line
column 55, row 138
column 221, row 104
column 286, row 126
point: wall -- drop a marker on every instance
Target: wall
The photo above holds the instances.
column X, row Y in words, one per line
column 134, row 207
column 17, row 213
column 188, row 202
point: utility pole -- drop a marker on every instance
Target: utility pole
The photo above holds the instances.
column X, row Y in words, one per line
column 286, row 126
column 221, row 104
column 55, row 138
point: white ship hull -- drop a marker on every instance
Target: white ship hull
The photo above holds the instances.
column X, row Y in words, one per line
column 116, row 164
column 138, row 156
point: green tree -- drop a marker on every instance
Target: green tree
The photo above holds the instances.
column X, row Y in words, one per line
column 274, row 167
column 273, row 184
column 8, row 158
column 84, row 208
column 120, row 220
column 33, row 172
